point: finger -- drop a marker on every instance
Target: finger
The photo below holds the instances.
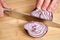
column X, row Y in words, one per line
column 4, row 4
column 52, row 6
column 45, row 4
column 1, row 10
column 39, row 3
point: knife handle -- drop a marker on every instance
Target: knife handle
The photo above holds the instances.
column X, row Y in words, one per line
column 7, row 10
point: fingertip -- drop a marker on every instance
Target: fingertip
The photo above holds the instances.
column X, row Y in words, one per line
column 52, row 8
column 46, row 4
column 43, row 8
column 39, row 4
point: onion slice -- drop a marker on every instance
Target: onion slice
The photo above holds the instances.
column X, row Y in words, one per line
column 43, row 14
column 36, row 29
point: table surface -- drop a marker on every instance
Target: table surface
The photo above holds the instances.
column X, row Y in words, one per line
column 12, row 28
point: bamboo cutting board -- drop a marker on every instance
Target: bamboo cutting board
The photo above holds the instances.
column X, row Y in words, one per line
column 12, row 28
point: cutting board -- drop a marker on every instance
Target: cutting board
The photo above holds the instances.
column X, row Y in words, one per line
column 12, row 28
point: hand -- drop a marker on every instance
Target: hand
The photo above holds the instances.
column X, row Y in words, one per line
column 49, row 5
column 2, row 6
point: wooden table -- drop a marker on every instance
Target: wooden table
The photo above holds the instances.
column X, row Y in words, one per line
column 12, row 28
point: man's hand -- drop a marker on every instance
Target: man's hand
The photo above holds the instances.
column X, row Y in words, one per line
column 2, row 6
column 49, row 5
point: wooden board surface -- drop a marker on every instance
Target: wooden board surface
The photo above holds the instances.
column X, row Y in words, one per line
column 12, row 29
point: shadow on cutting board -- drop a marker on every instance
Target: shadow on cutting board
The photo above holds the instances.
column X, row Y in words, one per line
column 28, row 18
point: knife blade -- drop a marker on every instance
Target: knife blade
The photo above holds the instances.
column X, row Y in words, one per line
column 27, row 17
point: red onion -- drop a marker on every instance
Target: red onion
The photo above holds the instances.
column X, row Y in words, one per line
column 42, row 14
column 36, row 29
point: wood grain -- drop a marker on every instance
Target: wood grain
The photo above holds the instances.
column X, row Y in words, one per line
column 12, row 28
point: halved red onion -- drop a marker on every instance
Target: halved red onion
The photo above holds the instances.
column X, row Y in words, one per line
column 42, row 14
column 36, row 29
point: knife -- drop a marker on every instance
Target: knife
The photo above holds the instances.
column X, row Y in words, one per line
column 27, row 17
